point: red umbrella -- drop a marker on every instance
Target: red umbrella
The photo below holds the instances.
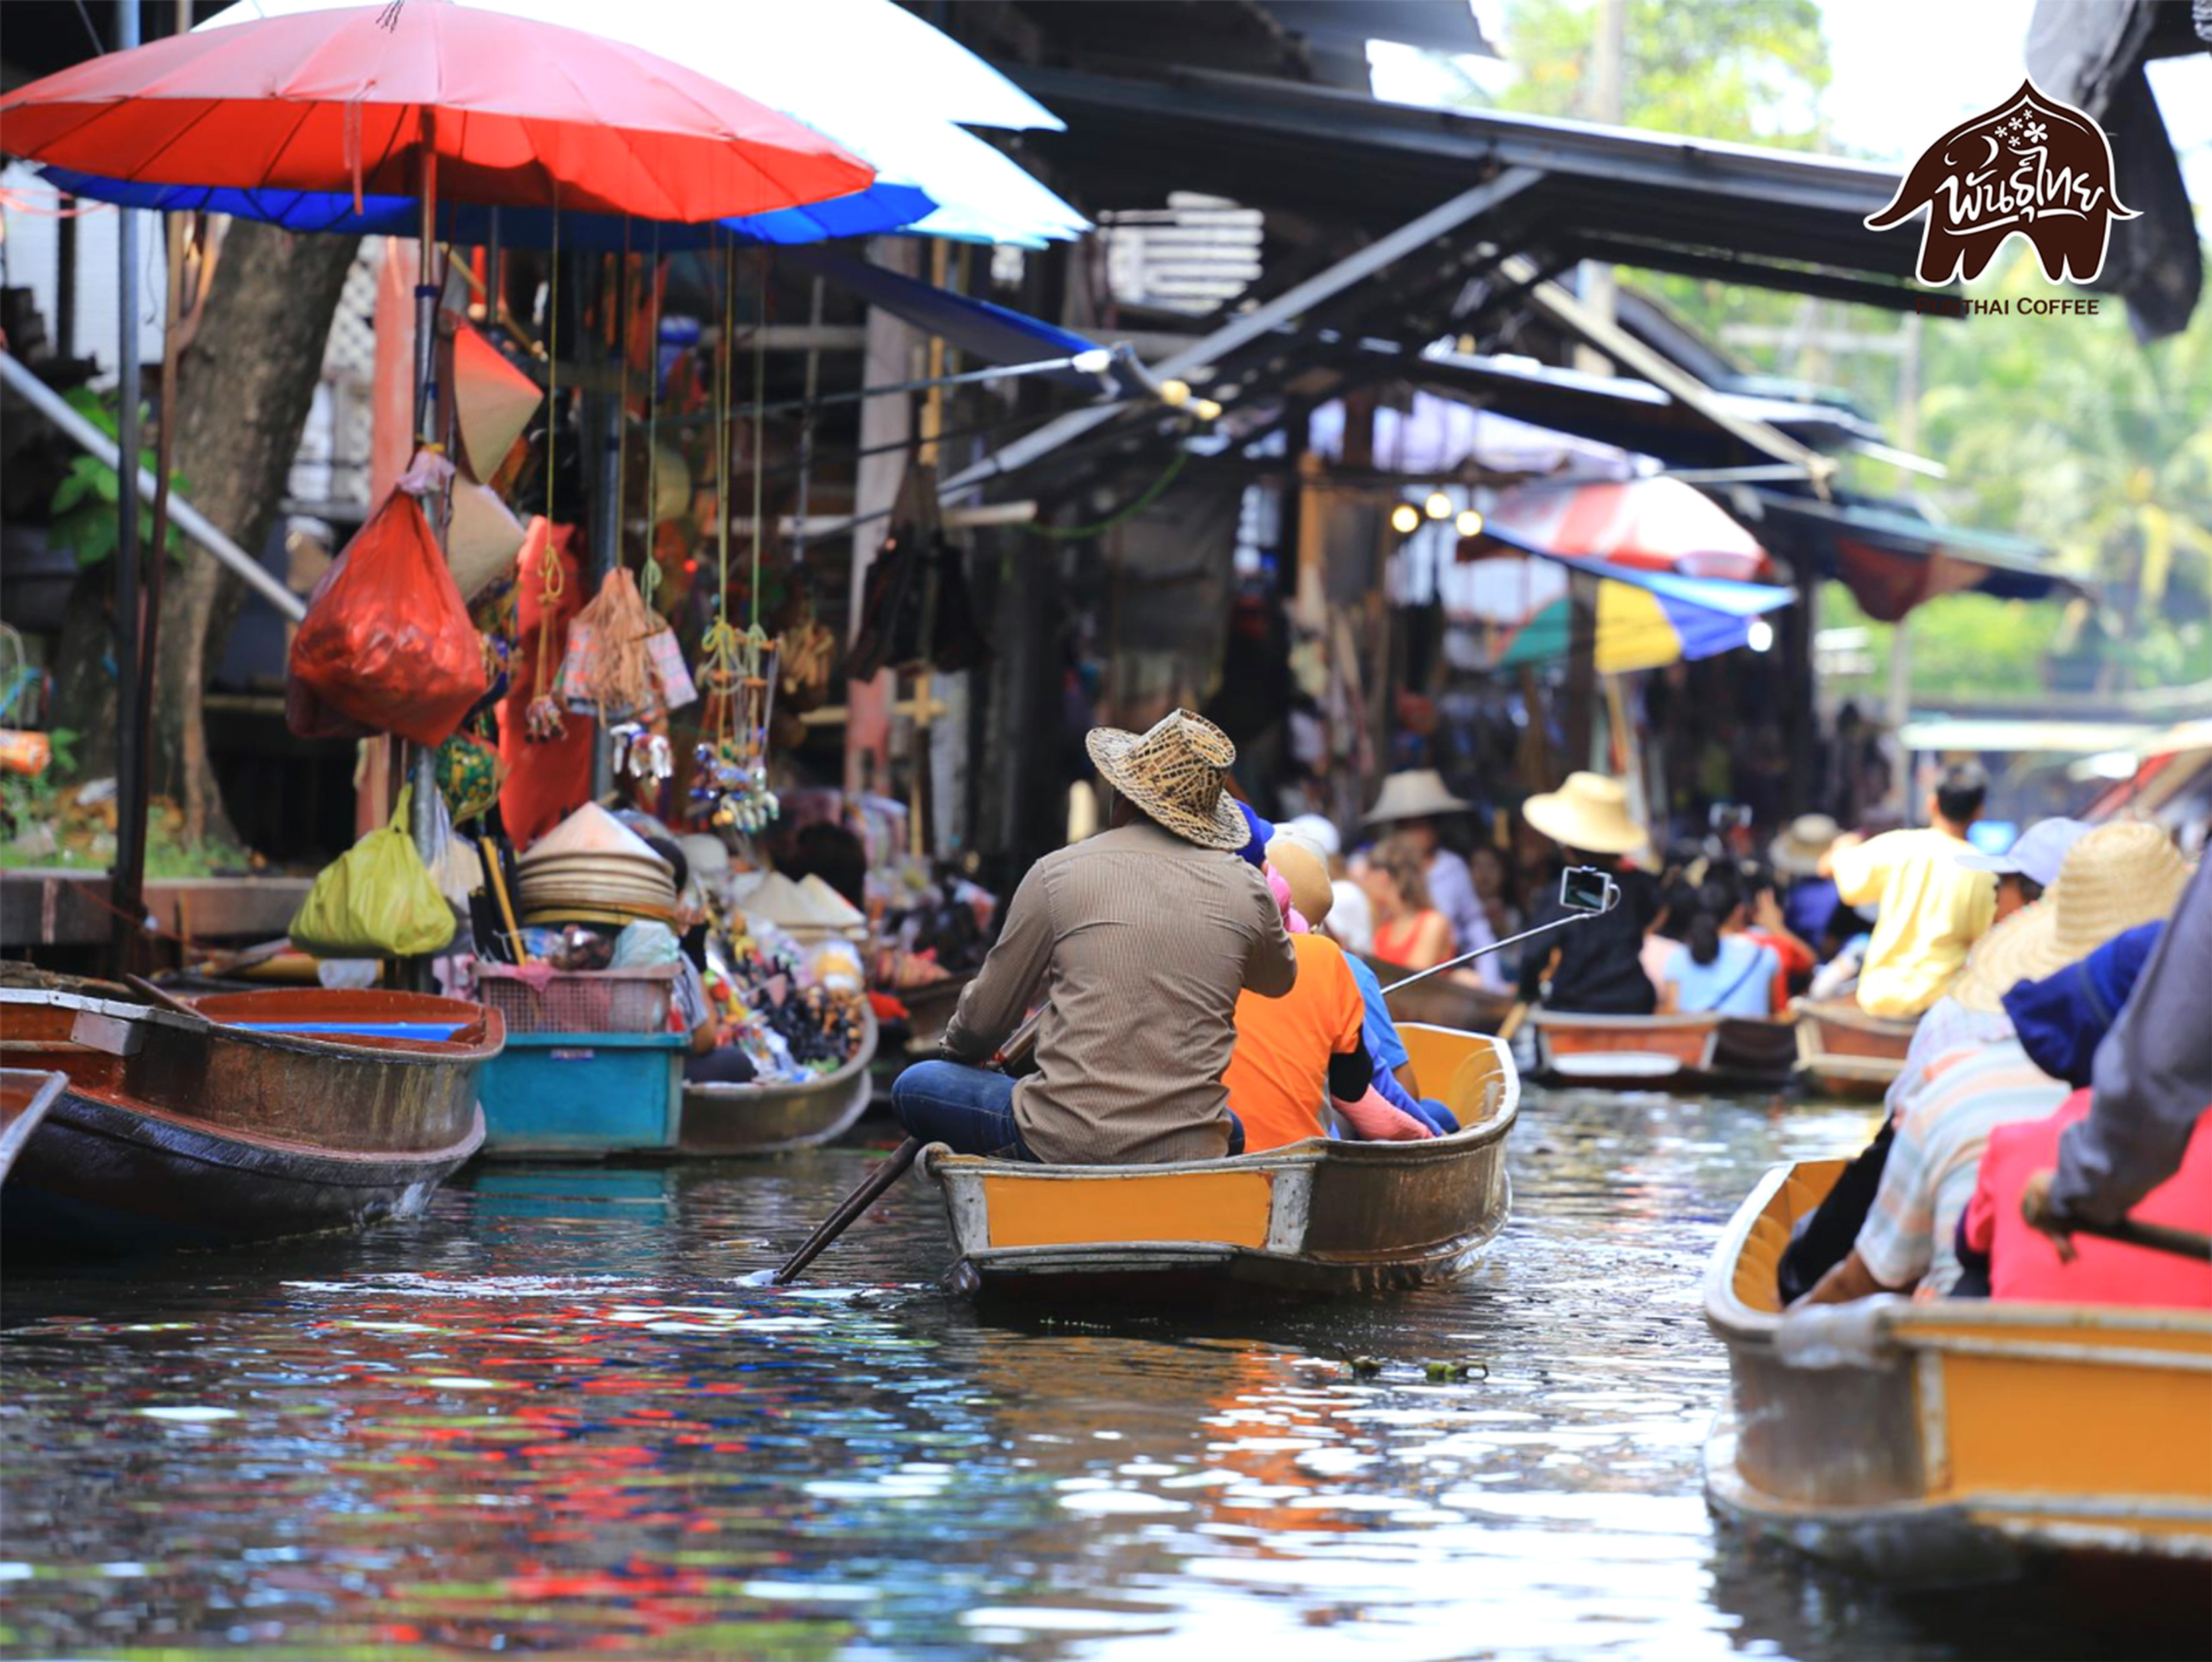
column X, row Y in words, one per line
column 406, row 99
column 1653, row 524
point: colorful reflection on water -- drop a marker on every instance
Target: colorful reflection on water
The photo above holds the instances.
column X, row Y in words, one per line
column 547, row 1417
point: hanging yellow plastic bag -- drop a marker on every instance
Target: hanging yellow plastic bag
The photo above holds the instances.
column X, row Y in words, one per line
column 375, row 901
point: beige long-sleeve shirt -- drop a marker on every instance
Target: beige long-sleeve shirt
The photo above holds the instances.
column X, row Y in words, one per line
column 1141, row 942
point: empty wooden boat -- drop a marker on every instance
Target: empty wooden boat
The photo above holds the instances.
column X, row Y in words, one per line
column 256, row 1114
column 1704, row 1052
column 1316, row 1218
column 1443, row 1001
column 746, row 1119
column 25, row 1094
column 1956, row 1440
column 1844, row 1052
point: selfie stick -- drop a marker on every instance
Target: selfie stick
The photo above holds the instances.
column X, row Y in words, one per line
column 1499, row 946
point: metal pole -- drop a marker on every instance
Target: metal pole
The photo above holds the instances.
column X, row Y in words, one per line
column 423, row 817
column 131, row 737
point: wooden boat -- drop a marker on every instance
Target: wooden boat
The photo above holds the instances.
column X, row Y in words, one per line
column 1442, row 1000
column 1703, row 1052
column 1956, row 1440
column 1317, row 1218
column 740, row 1119
column 25, row 1094
column 929, row 1007
column 1844, row 1052
column 259, row 1114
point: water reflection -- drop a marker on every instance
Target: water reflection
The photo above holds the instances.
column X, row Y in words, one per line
column 545, row 1417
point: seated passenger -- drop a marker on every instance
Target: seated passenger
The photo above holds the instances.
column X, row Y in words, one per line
column 1141, row 938
column 1718, row 968
column 1294, row 1052
column 2112, row 880
column 1592, row 968
column 1764, row 923
column 1409, row 932
column 2030, row 865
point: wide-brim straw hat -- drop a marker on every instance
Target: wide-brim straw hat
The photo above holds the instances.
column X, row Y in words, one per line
column 1301, row 865
column 1174, row 772
column 1796, row 852
column 1419, row 793
column 1589, row 812
column 2111, row 880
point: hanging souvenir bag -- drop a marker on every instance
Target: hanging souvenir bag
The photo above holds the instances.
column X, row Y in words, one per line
column 375, row 901
column 389, row 643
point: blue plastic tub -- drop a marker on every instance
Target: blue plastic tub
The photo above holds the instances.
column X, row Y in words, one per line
column 583, row 1093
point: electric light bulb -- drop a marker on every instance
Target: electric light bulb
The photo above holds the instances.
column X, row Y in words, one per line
column 1439, row 505
column 1469, row 522
column 1761, row 635
column 1405, row 518
column 1174, row 394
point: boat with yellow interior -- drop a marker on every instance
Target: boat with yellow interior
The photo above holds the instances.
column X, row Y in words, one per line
column 1954, row 1440
column 1315, row 1218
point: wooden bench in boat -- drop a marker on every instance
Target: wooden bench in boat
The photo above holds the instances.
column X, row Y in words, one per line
column 1315, row 1218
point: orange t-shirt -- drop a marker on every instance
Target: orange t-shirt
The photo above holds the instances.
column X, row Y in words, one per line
column 1278, row 1073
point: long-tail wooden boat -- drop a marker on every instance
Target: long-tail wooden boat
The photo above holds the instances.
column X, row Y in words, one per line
column 1702, row 1052
column 1317, row 1218
column 25, row 1094
column 1955, row 1439
column 1844, row 1052
column 259, row 1114
column 1443, row 1001
column 748, row 1119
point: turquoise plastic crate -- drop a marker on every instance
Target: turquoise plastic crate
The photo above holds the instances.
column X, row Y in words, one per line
column 583, row 1093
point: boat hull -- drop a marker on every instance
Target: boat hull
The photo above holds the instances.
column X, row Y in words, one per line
column 1919, row 1442
column 1442, row 1000
column 766, row 1120
column 1684, row 1052
column 1317, row 1219
column 25, row 1096
column 102, row 1175
column 1844, row 1052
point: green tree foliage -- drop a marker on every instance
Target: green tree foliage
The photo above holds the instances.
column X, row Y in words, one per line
column 84, row 503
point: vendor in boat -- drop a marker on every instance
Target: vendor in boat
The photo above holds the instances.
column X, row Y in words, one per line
column 2152, row 1084
column 2112, row 880
column 1594, row 968
column 1312, row 1044
column 1933, row 908
column 1407, row 810
column 1718, row 968
column 1141, row 939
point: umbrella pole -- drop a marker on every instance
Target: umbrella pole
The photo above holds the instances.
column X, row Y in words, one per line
column 424, row 816
column 126, row 876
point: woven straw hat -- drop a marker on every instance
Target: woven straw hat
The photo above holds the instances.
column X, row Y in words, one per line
column 1301, row 865
column 1796, row 852
column 1173, row 772
column 1419, row 793
column 2113, row 879
column 1589, row 812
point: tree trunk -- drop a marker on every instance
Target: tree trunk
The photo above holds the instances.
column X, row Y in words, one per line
column 245, row 384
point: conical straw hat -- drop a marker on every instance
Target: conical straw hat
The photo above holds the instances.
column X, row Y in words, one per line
column 481, row 539
column 492, row 402
column 592, row 830
column 2113, row 879
column 1589, row 812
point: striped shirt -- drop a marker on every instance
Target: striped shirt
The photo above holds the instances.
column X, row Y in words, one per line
column 1908, row 1235
column 1141, row 942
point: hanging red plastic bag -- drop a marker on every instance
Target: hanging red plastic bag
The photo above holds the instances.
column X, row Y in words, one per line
column 307, row 716
column 389, row 643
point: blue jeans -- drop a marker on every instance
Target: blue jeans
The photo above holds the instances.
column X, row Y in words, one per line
column 972, row 1111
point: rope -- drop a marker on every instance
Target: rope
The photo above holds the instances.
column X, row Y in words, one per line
column 622, row 406
column 1128, row 510
column 760, row 435
column 649, row 580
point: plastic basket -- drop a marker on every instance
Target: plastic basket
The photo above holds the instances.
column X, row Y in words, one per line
column 579, row 1001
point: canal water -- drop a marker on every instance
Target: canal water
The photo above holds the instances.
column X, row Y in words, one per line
column 548, row 1418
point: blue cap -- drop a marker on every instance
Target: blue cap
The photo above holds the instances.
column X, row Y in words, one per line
column 1262, row 834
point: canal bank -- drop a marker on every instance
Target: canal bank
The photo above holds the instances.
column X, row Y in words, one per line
column 546, row 1417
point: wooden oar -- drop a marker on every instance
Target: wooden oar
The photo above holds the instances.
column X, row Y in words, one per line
column 165, row 998
column 2035, row 1207
column 848, row 1210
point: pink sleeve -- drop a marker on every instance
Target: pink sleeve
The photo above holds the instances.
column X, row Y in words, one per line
column 1980, row 1229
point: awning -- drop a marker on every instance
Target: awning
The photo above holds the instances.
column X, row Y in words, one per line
column 1657, row 524
column 1892, row 559
column 995, row 334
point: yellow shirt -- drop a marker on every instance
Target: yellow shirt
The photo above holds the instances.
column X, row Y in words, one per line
column 1933, row 909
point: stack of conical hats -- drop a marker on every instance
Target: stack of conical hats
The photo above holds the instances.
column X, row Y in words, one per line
column 591, row 868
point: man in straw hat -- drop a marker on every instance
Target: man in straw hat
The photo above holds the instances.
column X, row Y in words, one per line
column 2111, row 880
column 1411, row 804
column 1140, row 938
column 1595, row 968
column 1933, row 908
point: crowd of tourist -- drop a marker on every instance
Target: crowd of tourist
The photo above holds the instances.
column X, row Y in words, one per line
column 1194, row 1005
